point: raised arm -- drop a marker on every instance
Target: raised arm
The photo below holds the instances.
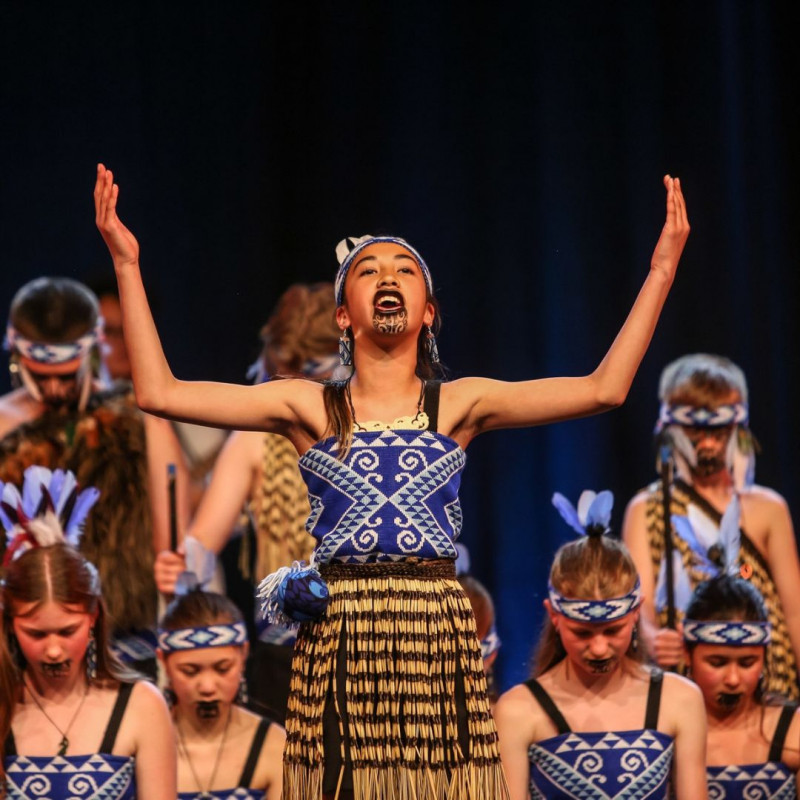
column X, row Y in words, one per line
column 498, row 404
column 290, row 407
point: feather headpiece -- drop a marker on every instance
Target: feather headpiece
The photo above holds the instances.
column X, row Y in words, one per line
column 50, row 510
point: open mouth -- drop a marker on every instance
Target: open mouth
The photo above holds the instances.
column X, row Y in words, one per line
column 729, row 700
column 600, row 666
column 207, row 709
column 57, row 670
column 387, row 302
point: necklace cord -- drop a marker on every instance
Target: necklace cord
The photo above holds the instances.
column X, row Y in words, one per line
column 63, row 745
column 205, row 792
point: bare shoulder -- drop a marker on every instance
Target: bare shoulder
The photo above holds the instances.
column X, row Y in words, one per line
column 681, row 701
column 147, row 699
column 516, row 707
column 459, row 399
column 16, row 408
column 763, row 497
column 638, row 501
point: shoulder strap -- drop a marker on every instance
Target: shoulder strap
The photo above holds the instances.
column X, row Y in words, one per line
column 255, row 752
column 431, row 404
column 548, row 706
column 110, row 737
column 10, row 747
column 779, row 737
column 653, row 700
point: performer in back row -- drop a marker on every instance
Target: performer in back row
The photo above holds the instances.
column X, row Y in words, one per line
column 388, row 676
column 704, row 422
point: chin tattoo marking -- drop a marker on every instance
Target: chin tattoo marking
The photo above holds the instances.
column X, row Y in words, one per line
column 58, row 670
column 600, row 666
column 729, row 700
column 396, row 322
column 207, row 709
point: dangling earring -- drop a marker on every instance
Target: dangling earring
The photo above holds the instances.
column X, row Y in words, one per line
column 91, row 658
column 635, row 639
column 241, row 696
column 431, row 346
column 345, row 349
column 16, row 653
column 169, row 696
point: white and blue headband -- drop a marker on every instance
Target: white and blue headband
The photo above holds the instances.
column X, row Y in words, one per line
column 591, row 518
column 50, row 354
column 727, row 633
column 349, row 248
column 701, row 417
column 200, row 565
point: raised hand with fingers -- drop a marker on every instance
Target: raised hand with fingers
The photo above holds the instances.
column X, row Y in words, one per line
column 120, row 241
column 675, row 232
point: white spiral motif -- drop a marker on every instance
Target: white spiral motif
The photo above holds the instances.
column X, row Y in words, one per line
column 366, row 540
column 633, row 762
column 409, row 541
column 588, row 763
column 716, row 791
column 411, row 460
column 82, row 785
column 756, row 790
column 35, row 786
column 367, row 460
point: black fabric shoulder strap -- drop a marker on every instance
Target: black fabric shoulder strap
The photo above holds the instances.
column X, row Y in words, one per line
column 255, row 752
column 653, row 700
column 548, row 706
column 779, row 738
column 110, row 737
column 431, row 404
column 10, row 747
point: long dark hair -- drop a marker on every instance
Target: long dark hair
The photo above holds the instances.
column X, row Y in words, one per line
column 337, row 406
column 729, row 597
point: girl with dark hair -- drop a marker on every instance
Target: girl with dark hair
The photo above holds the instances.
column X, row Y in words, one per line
column 753, row 743
column 593, row 717
column 388, row 693
column 224, row 751
column 80, row 724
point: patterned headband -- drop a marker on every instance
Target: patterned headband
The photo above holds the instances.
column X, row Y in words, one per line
column 50, row 354
column 596, row 610
column 724, row 632
column 349, row 248
column 229, row 634
column 700, row 417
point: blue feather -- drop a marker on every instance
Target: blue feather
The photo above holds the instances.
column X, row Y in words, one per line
column 599, row 514
column 730, row 535
column 86, row 499
column 568, row 512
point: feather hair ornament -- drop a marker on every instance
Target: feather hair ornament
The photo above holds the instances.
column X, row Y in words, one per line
column 50, row 510
column 593, row 515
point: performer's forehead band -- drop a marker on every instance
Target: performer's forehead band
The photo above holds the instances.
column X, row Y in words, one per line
column 596, row 610
column 49, row 354
column 221, row 635
column 349, row 248
column 724, row 632
column 699, row 417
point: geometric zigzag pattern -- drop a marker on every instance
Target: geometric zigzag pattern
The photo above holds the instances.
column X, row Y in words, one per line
column 628, row 765
column 770, row 780
column 394, row 496
column 224, row 794
column 90, row 777
column 219, row 635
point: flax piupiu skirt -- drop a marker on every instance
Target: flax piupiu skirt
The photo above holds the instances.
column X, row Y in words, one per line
column 388, row 693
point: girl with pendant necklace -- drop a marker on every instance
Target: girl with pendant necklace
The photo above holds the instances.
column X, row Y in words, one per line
column 388, row 694
column 81, row 725
column 224, row 750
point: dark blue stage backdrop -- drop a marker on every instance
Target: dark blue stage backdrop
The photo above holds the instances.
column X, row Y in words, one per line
column 520, row 147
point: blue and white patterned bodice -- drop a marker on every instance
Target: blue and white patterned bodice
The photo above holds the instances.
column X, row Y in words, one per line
column 771, row 780
column 394, row 496
column 224, row 794
column 99, row 776
column 634, row 765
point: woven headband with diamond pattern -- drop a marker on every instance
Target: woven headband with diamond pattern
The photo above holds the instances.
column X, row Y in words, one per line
column 725, row 632
column 221, row 635
column 47, row 353
column 596, row 610
column 700, row 417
